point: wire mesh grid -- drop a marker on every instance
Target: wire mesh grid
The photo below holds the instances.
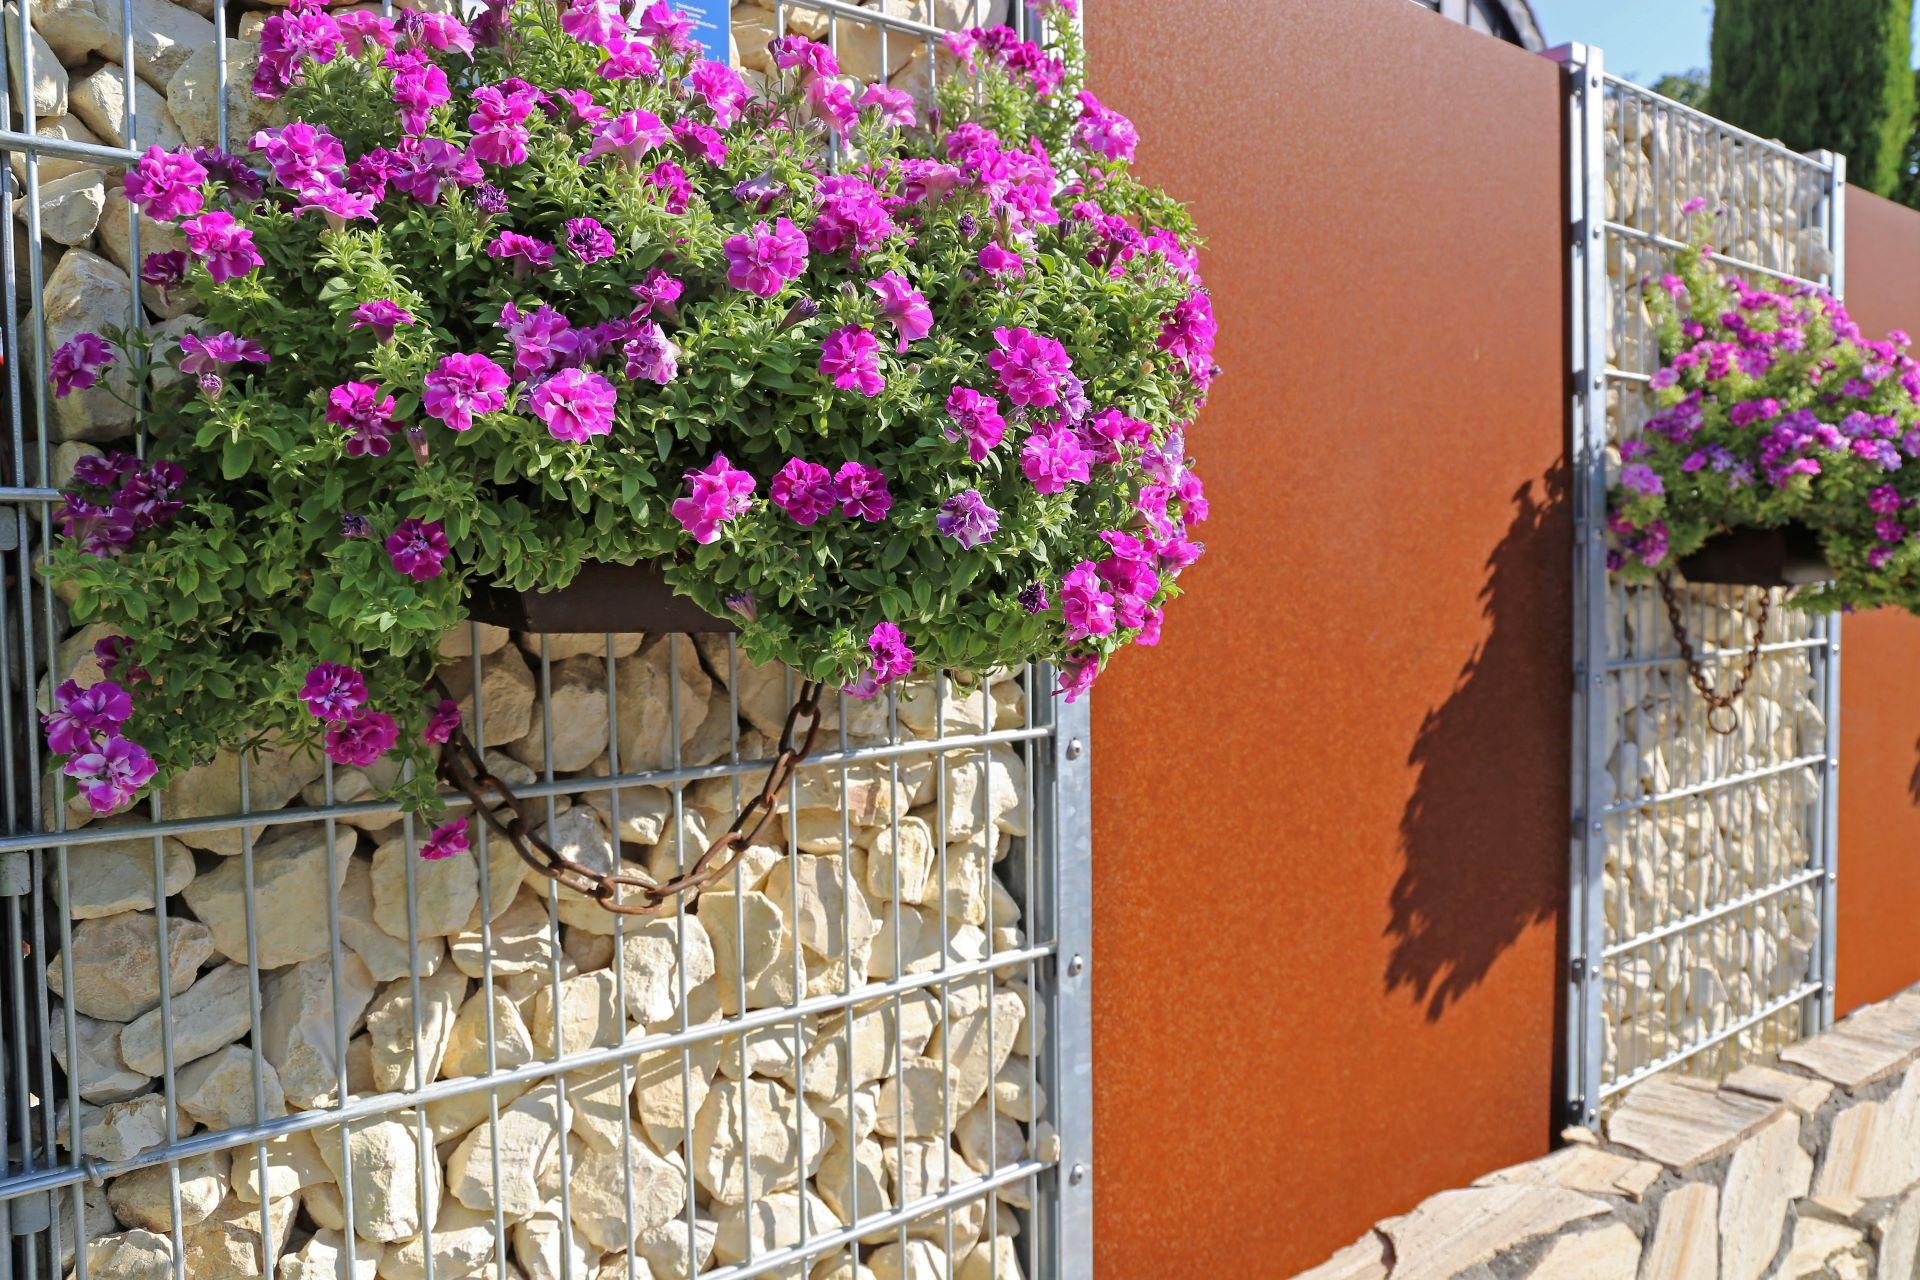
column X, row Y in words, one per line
column 858, row 1055
column 1704, row 868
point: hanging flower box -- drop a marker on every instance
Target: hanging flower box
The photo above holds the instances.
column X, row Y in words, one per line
column 1790, row 556
column 548, row 316
column 602, row 597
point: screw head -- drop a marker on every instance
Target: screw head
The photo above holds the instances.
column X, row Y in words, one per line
column 1075, row 748
column 1076, row 965
column 1077, row 1174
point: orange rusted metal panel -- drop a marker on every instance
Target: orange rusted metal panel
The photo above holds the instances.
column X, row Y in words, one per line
column 1878, row 911
column 1332, row 812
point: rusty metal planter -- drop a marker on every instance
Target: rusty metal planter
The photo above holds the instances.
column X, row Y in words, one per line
column 1789, row 556
column 604, row 597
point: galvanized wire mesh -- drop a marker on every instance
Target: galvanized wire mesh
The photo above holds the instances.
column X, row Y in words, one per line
column 1704, row 863
column 860, row 1055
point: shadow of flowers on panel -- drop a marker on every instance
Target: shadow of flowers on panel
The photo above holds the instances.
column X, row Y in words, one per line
column 1484, row 836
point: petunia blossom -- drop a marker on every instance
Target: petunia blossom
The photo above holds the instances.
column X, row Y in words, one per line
column 111, row 773
column 575, row 404
column 365, row 415
column 382, row 316
column 847, row 358
column 361, row 740
column 1053, row 458
column 1031, row 367
column 716, row 493
column 442, row 723
column 77, row 362
column 333, row 691
column 976, row 419
column 222, row 245
column 862, row 491
column 463, row 385
column 448, row 839
column 804, row 490
column 165, row 185
column 83, row 717
column 417, row 548
column 904, row 307
column 767, row 258
column 967, row 519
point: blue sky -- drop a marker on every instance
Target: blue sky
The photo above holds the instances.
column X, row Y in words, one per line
column 1643, row 39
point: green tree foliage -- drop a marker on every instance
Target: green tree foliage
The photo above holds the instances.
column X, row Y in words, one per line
column 1836, row 74
column 1689, row 87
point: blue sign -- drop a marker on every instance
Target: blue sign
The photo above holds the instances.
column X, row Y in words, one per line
column 712, row 25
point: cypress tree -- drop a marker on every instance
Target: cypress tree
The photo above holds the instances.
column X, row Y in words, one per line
column 1834, row 74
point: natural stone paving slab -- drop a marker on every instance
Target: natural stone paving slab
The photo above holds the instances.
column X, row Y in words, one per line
column 1455, row 1230
column 1681, row 1123
column 1803, row 1095
column 1611, row 1252
column 1686, row 1243
column 1587, row 1169
column 1866, row 1048
column 1768, row 1173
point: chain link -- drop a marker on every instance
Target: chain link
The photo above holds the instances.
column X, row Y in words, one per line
column 1722, row 718
column 464, row 768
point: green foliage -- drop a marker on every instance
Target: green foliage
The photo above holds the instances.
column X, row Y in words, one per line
column 1837, row 74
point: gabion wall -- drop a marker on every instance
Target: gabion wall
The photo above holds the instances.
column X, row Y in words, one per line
column 844, row 1062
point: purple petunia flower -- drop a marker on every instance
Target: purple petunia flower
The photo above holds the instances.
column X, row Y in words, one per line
column 667, row 27
column 588, row 240
column 764, row 260
column 651, row 354
column 1085, row 604
column 111, row 774
column 627, row 137
column 809, row 57
column 441, row 724
column 701, row 140
column 1642, row 479
column 893, row 106
column 363, row 739
column 848, row 358
column 862, row 491
column 447, row 839
column 525, row 253
column 333, row 691
column 804, row 490
column 165, row 185
column 904, row 307
column 1053, row 458
column 381, row 316
column 417, row 548
column 166, row 271
column 82, row 717
column 889, row 659
column 462, row 385
column 77, row 363
column 760, row 191
column 1076, row 678
column 220, row 242
column 498, row 123
column 575, row 404
column 1104, row 131
column 715, row 494
column 721, row 88
column 999, row 262
column 213, row 354
column 1033, row 597
column 365, row 415
column 976, row 418
column 967, row 519
column 1031, row 368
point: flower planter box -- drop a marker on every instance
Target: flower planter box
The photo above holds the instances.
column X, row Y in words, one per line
column 604, row 597
column 1789, row 556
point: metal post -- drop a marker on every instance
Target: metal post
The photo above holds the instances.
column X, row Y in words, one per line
column 1071, row 843
column 1586, row 265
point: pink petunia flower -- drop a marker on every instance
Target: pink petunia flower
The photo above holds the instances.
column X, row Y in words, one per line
column 904, row 307
column 165, row 185
column 715, row 494
column 627, row 137
column 220, row 242
column 441, row 724
column 976, row 418
column 767, row 258
column 848, row 358
column 576, row 405
column 1053, row 458
column 1031, row 368
column 862, row 491
column 447, row 840
column 77, row 363
column 363, row 739
column 804, row 490
column 462, row 385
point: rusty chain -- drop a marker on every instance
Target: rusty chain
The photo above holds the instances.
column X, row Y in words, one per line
column 1722, row 718
column 463, row 767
